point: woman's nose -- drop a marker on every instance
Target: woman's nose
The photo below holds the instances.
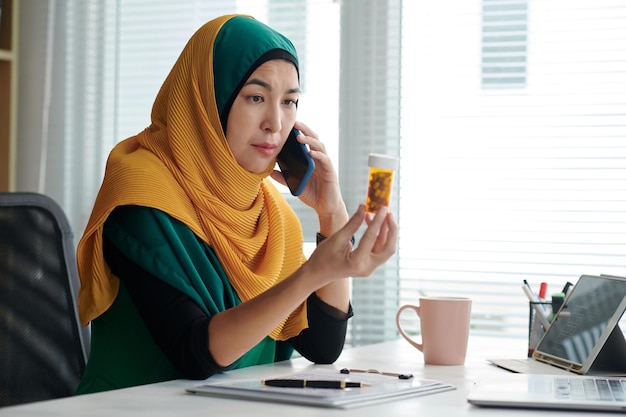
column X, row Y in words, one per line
column 272, row 119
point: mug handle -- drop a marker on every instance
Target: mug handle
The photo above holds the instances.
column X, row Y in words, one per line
column 416, row 345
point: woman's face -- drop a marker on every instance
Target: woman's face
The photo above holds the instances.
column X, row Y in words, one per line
column 263, row 114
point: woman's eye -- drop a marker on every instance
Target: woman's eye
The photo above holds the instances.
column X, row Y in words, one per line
column 255, row 99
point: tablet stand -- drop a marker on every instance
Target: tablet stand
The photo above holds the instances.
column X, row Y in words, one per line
column 612, row 355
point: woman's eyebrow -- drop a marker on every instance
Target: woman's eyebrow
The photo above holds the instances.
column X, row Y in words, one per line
column 265, row 85
column 259, row 82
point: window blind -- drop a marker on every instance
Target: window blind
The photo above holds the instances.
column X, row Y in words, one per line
column 501, row 185
column 504, row 43
column 370, row 123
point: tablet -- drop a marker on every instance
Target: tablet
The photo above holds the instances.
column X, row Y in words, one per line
column 589, row 335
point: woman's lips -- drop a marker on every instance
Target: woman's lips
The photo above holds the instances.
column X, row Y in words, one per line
column 266, row 149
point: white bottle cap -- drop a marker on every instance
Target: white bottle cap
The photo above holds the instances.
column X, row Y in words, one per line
column 382, row 161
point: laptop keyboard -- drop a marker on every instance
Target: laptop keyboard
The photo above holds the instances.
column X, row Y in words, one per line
column 598, row 389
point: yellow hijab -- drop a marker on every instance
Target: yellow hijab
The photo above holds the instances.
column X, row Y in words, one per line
column 182, row 165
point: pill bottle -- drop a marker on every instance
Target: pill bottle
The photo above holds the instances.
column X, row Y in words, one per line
column 380, row 183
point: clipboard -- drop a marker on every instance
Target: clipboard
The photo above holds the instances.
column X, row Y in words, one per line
column 382, row 388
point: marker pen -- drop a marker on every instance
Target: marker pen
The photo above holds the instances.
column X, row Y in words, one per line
column 557, row 301
column 543, row 291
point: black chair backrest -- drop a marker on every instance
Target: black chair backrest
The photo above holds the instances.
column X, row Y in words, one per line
column 43, row 347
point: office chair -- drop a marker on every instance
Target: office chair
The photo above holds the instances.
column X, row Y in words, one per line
column 43, row 347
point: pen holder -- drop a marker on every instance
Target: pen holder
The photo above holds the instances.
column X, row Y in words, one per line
column 536, row 328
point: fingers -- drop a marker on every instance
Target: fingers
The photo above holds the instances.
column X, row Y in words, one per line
column 354, row 223
column 373, row 229
column 346, row 233
column 391, row 234
column 337, row 258
column 305, row 130
column 380, row 237
column 311, row 138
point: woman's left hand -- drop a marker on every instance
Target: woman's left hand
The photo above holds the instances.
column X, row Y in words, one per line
column 322, row 192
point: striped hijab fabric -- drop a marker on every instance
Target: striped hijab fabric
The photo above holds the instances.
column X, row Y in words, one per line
column 182, row 165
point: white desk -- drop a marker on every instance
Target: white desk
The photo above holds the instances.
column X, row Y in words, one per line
column 170, row 399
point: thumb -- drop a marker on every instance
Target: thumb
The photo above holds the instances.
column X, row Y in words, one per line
column 354, row 223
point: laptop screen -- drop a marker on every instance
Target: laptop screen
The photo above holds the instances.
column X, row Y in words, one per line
column 594, row 303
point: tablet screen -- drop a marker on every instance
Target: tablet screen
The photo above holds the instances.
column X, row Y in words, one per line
column 594, row 304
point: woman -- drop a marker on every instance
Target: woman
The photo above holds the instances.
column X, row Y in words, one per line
column 192, row 261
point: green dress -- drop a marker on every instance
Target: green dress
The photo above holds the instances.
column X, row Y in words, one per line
column 123, row 353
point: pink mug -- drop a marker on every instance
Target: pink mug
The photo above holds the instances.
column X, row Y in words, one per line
column 444, row 323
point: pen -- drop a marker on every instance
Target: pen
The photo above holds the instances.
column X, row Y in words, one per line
column 375, row 371
column 566, row 288
column 304, row 383
column 532, row 296
column 529, row 292
column 539, row 312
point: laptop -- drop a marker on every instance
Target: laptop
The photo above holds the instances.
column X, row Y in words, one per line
column 575, row 362
column 584, row 338
column 561, row 392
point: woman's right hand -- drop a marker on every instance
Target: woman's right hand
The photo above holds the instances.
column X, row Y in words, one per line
column 335, row 257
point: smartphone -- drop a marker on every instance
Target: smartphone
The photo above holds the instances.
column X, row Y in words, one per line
column 295, row 163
